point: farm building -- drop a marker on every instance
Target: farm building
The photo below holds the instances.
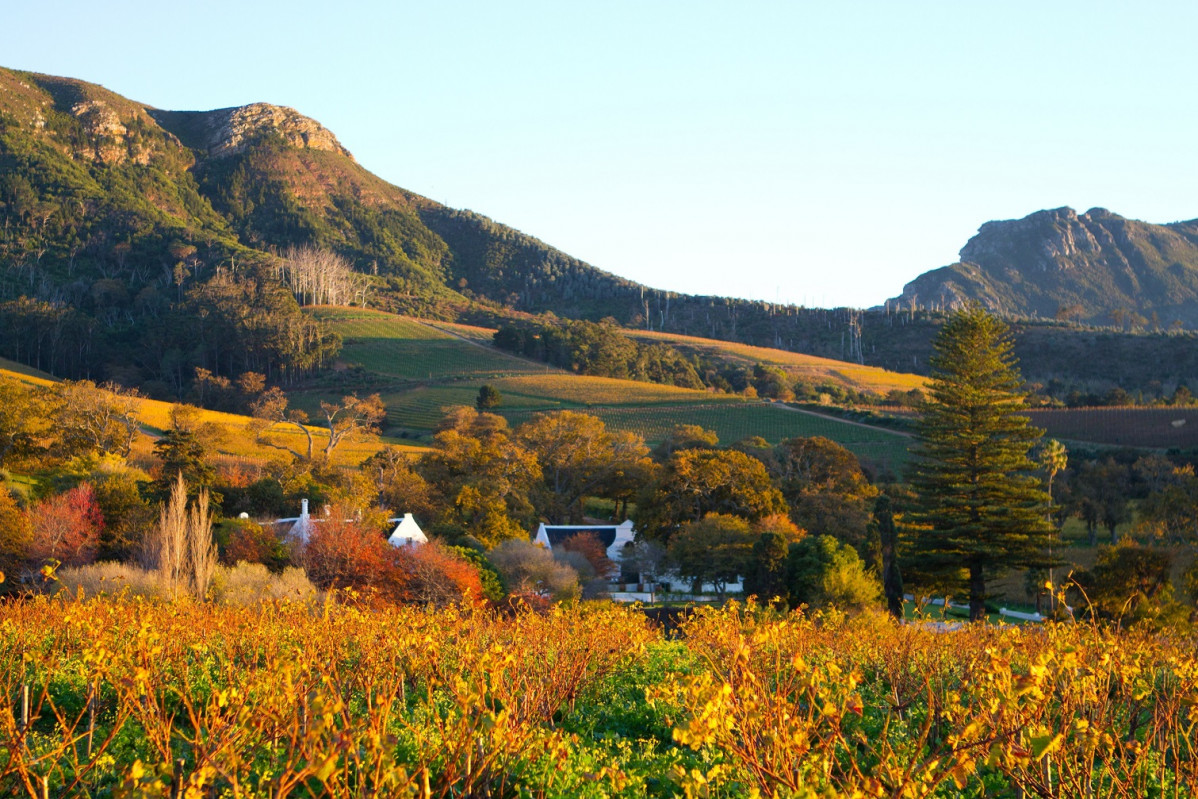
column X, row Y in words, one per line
column 298, row 528
column 406, row 532
column 613, row 537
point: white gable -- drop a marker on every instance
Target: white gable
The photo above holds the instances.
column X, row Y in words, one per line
column 406, row 531
column 624, row 534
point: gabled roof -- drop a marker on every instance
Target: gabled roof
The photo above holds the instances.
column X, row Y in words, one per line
column 560, row 532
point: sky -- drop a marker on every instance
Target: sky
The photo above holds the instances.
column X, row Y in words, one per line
column 821, row 154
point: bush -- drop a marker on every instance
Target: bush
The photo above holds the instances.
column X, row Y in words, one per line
column 431, row 574
column 823, row 572
column 108, row 579
column 248, row 541
column 252, row 583
column 527, row 568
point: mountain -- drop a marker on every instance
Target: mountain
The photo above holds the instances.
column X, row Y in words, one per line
column 132, row 238
column 139, row 245
column 1096, row 267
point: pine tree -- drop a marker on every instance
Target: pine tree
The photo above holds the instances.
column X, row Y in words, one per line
column 982, row 509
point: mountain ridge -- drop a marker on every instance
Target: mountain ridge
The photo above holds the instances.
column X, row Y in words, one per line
column 1096, row 267
column 133, row 239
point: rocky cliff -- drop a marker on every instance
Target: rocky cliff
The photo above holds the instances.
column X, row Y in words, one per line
column 229, row 131
column 1096, row 267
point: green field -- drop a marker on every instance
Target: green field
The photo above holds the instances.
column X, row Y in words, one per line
column 425, row 367
column 738, row 420
column 397, row 347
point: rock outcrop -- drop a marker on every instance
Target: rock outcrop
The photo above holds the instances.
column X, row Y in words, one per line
column 1096, row 267
column 228, row 131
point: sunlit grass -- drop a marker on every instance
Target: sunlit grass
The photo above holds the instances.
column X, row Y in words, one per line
column 810, row 367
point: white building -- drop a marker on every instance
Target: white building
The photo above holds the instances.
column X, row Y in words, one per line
column 613, row 537
column 299, row 528
column 406, row 533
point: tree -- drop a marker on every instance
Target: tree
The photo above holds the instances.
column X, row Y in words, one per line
column 823, row 572
column 66, row 527
column 346, row 550
column 351, row 417
column 319, row 276
column 182, row 455
column 892, row 577
column 1130, row 583
column 528, row 568
column 24, row 423
column 432, row 574
column 488, row 398
column 15, row 536
column 696, row 482
column 269, row 409
column 399, row 487
column 982, row 509
column 825, row 487
column 93, row 418
column 715, row 550
column 1100, row 495
column 579, row 458
column 482, row 478
column 686, row 436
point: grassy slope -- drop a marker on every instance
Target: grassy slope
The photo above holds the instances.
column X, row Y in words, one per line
column 421, row 368
column 813, row 368
column 226, row 430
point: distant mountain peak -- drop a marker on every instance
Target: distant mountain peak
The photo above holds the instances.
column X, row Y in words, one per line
column 1097, row 266
column 229, row 131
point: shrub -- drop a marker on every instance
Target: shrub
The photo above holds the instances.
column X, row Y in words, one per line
column 346, row 552
column 527, row 568
column 66, row 527
column 252, row 583
column 589, row 546
column 431, row 574
column 821, row 572
column 108, row 578
column 248, row 541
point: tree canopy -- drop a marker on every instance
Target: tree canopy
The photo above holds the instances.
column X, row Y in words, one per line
column 982, row 508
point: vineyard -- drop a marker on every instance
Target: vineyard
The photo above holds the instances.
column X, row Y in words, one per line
column 424, row 368
column 138, row 699
column 397, row 347
column 1155, row 428
column 813, row 368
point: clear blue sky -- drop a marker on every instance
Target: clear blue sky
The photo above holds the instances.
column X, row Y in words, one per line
column 816, row 153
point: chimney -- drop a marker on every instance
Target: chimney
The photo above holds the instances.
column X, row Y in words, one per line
column 303, row 508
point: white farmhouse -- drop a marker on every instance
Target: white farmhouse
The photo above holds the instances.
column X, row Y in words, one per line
column 406, row 533
column 613, row 537
column 299, row 528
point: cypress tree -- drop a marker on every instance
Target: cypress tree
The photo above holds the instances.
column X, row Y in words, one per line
column 981, row 507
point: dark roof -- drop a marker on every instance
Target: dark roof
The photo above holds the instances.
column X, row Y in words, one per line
column 607, row 535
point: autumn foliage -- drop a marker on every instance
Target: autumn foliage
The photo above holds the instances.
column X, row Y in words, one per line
column 136, row 698
column 66, row 527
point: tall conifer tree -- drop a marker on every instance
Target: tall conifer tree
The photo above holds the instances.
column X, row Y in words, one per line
column 982, row 508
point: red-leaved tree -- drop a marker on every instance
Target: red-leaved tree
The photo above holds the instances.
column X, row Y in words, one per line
column 344, row 551
column 67, row 527
column 431, row 574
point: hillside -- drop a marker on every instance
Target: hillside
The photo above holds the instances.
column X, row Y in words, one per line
column 421, row 368
column 139, row 244
column 797, row 365
column 1096, row 267
column 224, row 433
